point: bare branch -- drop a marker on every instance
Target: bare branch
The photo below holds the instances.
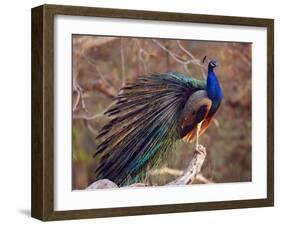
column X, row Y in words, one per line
column 203, row 179
column 92, row 117
column 177, row 173
column 78, row 98
column 185, row 50
column 193, row 167
column 165, row 170
column 80, row 95
column 195, row 61
column 179, row 59
column 172, row 54
column 141, row 51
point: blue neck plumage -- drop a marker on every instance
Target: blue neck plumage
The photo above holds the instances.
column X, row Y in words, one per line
column 213, row 87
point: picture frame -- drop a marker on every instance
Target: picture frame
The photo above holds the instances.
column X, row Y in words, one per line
column 43, row 108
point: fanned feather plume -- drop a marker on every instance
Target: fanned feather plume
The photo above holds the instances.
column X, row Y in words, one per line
column 144, row 125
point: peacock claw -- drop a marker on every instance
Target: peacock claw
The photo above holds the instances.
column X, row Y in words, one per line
column 201, row 149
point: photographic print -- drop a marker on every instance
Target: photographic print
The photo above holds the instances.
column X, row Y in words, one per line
column 159, row 112
column 141, row 112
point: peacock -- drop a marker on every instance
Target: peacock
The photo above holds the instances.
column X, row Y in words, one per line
column 149, row 116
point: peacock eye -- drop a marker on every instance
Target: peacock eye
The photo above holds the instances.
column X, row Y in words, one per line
column 213, row 63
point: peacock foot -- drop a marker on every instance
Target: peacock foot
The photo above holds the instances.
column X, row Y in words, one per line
column 201, row 150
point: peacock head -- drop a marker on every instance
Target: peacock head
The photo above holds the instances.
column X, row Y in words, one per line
column 212, row 64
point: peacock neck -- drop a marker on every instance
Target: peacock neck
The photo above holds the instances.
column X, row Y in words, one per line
column 213, row 87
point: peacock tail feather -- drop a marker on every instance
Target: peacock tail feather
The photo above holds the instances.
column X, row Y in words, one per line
column 144, row 127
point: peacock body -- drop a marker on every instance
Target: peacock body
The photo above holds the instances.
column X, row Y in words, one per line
column 148, row 118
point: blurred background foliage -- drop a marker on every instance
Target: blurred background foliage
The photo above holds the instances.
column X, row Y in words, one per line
column 102, row 65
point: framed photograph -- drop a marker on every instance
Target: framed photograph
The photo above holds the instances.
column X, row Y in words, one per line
column 141, row 112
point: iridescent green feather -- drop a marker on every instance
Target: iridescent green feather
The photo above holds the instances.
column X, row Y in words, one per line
column 144, row 125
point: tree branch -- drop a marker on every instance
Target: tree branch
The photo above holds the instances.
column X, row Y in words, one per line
column 179, row 59
column 193, row 168
column 141, row 52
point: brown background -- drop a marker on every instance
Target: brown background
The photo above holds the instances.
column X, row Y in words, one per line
column 102, row 64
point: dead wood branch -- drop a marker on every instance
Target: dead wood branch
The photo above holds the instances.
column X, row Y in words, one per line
column 165, row 170
column 193, row 168
column 203, row 179
column 175, row 172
